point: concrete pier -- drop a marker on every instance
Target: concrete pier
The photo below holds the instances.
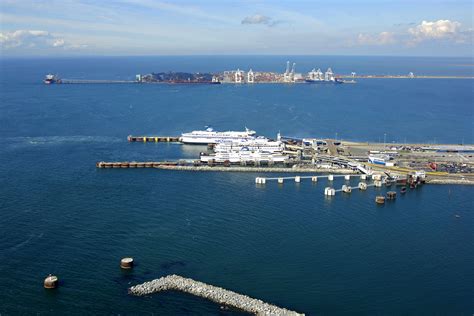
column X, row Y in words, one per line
column 210, row 292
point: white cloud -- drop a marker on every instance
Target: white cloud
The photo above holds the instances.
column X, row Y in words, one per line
column 441, row 29
column 257, row 19
column 383, row 38
column 445, row 30
column 33, row 39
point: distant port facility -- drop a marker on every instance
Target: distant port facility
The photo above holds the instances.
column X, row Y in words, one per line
column 314, row 76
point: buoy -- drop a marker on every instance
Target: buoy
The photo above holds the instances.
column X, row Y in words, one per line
column 330, row 177
column 391, row 195
column 314, row 179
column 280, row 180
column 297, row 179
column 51, row 282
column 347, row 177
column 329, row 191
column 346, row 189
column 126, row 263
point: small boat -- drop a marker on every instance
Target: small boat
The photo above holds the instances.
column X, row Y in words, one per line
column 403, row 190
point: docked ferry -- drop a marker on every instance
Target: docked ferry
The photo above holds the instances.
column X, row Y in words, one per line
column 257, row 144
column 244, row 155
column 209, row 136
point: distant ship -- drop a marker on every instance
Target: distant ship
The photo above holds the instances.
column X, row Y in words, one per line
column 50, row 79
column 209, row 136
column 316, row 76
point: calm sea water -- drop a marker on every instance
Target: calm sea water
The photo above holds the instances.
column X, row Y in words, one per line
column 287, row 245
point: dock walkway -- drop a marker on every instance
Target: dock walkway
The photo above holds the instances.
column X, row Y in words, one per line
column 210, row 292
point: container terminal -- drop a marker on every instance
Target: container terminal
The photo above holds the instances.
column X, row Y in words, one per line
column 314, row 76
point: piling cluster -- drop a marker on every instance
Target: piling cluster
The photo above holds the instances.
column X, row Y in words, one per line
column 210, row 292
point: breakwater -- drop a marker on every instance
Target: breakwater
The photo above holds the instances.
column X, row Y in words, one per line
column 210, row 292
column 173, row 165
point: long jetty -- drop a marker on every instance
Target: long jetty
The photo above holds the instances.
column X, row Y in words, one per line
column 174, row 165
column 93, row 81
column 153, row 139
column 210, row 292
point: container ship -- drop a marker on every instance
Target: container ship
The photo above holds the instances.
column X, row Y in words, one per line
column 317, row 76
column 209, row 136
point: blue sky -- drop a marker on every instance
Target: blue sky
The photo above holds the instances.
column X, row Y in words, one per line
column 148, row 27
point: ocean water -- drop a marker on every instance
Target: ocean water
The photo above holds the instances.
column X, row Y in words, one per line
column 288, row 245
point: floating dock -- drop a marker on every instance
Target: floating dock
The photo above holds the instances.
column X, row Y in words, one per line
column 210, row 292
column 153, row 139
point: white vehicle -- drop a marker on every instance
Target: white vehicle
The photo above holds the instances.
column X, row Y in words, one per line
column 209, row 136
column 379, row 159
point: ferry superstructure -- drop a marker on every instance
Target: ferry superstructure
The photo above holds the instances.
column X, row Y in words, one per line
column 209, row 136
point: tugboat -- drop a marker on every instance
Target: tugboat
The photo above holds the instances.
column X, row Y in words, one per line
column 50, row 79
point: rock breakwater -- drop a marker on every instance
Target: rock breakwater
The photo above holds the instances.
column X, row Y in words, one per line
column 210, row 292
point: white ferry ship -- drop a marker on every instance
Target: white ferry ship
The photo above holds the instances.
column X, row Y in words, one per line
column 244, row 155
column 257, row 144
column 209, row 136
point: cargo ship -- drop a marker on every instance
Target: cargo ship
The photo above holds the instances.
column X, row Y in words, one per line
column 50, row 79
column 317, row 76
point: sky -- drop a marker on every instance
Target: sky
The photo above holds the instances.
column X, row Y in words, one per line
column 220, row 27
